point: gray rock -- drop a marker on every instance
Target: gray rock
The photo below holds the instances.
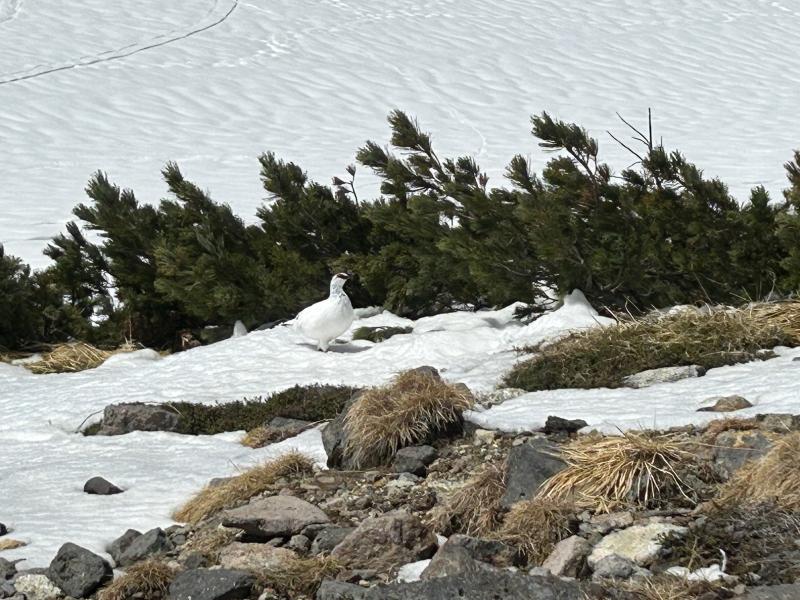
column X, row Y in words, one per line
column 327, row 539
column 3, row 529
column 409, row 465
column 101, row 487
column 559, row 425
column 780, row 423
column 7, row 569
column 334, row 438
column 424, row 454
column 211, row 584
column 7, row 589
column 77, row 571
column 386, row 542
column 528, row 466
column 461, row 554
column 726, row 404
column 605, row 522
column 481, row 584
column 568, row 557
column 152, row 542
column 613, row 566
column 299, row 543
column 663, row 375
column 773, row 592
column 732, row 449
column 283, row 428
column 253, row 557
column 275, row 516
column 119, row 419
column 119, row 545
column 339, row 590
column 499, row 396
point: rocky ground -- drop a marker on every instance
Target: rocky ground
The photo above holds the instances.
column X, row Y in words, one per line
column 390, row 532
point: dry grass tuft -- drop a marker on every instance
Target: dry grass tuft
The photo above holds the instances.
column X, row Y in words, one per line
column 604, row 356
column 208, row 542
column 238, row 490
column 300, row 576
column 637, row 468
column 774, row 478
column 668, row 587
column 11, row 544
column 148, row 579
column 535, row 526
column 729, row 424
column 410, row 410
column 74, row 357
column 474, row 508
column 257, row 438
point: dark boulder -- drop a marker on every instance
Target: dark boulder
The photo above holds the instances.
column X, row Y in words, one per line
column 78, row 571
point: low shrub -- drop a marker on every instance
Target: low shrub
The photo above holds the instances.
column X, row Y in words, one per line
column 474, row 508
column 299, row 577
column 634, row 469
column 148, row 579
column 535, row 526
column 240, row 489
column 379, row 334
column 414, row 407
column 604, row 356
column 71, row 358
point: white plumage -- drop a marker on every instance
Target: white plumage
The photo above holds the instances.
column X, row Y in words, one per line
column 329, row 318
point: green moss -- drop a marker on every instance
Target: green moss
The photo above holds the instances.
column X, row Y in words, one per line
column 92, row 429
column 379, row 334
column 604, row 356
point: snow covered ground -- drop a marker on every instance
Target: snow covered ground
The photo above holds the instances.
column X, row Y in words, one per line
column 44, row 464
column 126, row 86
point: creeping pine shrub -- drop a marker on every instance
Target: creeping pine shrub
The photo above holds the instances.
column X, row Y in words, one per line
column 238, row 490
column 604, row 356
column 413, row 407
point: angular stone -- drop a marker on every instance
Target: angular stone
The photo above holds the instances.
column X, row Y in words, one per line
column 663, row 375
column 283, row 428
column 568, row 557
column 77, row 571
column 339, row 590
column 7, row 590
column 725, row 404
column 386, row 542
column 613, row 566
column 101, row 487
column 773, row 592
column 119, row 419
column 424, row 454
column 119, row 545
column 639, row 543
column 253, row 557
column 559, row 425
column 334, row 438
column 327, row 539
column 211, row 584
column 499, row 396
column 153, row 542
column 481, row 584
column 275, row 516
column 409, row 465
column 528, row 466
column 299, row 543
column 780, row 423
column 603, row 523
column 459, row 551
column 37, row 587
column 7, row 569
column 732, row 449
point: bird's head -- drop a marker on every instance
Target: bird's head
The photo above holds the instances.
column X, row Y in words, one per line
column 338, row 281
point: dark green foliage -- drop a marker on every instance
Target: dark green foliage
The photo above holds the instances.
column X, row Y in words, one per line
column 379, row 334
column 789, row 227
column 18, row 316
column 603, row 357
column 308, row 403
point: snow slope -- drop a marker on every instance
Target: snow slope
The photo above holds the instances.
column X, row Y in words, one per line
column 126, row 86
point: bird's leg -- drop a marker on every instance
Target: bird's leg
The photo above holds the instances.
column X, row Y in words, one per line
column 322, row 346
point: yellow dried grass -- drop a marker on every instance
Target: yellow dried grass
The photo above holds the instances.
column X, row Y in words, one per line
column 73, row 357
column 11, row 544
column 148, row 579
column 774, row 478
column 300, row 577
column 636, row 468
column 238, row 490
column 535, row 526
column 474, row 508
column 406, row 412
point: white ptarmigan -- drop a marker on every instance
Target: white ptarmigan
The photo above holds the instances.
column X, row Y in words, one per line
column 328, row 318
